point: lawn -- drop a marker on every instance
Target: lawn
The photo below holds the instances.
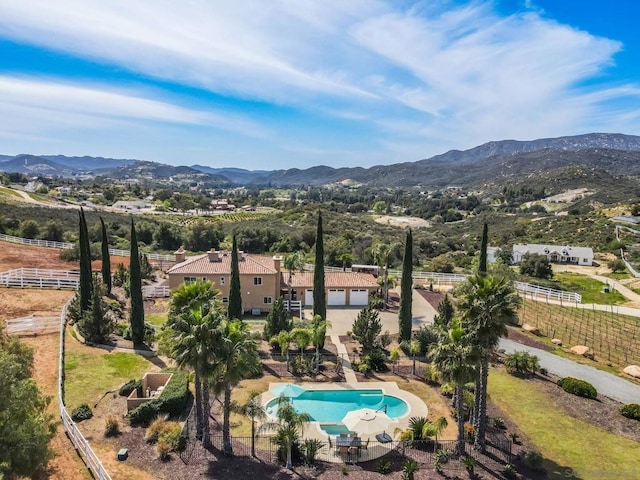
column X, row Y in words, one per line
column 90, row 372
column 571, row 447
column 590, row 289
column 157, row 319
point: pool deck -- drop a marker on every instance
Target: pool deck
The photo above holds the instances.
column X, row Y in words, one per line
column 312, row 430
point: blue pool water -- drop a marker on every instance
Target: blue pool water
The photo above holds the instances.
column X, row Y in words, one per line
column 330, row 406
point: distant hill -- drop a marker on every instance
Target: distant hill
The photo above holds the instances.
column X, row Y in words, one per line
column 89, row 164
column 159, row 171
column 33, row 165
column 236, row 175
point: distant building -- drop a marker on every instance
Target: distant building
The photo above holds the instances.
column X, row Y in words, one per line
column 492, row 254
column 555, row 253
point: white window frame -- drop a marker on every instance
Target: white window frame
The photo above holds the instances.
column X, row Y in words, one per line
column 190, row 279
column 257, row 281
column 267, row 300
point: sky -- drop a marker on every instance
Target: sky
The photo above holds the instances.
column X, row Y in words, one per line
column 276, row 84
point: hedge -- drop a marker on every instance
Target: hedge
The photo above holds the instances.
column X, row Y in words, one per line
column 129, row 387
column 173, row 400
column 578, row 387
column 81, row 412
column 631, row 410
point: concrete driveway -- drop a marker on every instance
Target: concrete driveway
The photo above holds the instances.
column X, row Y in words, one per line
column 342, row 318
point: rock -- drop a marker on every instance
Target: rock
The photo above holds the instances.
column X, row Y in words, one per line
column 556, row 341
column 582, row 350
column 632, row 370
column 531, row 329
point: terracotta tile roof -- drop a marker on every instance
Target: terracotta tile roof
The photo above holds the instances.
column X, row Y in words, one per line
column 248, row 264
column 333, row 280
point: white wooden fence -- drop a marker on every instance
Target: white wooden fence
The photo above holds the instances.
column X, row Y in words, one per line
column 542, row 293
column 40, row 278
column 30, row 324
column 155, row 291
column 296, row 305
column 153, row 257
column 79, row 442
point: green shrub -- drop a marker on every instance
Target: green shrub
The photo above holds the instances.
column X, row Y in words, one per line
column 534, row 460
column 171, row 435
column 521, row 364
column 510, row 472
column 81, row 412
column 578, row 387
column 498, row 423
column 409, row 469
column 631, row 410
column 129, row 387
column 383, row 466
column 145, row 412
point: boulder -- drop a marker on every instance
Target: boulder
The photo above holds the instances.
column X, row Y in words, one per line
column 531, row 329
column 632, row 370
column 556, row 341
column 582, row 350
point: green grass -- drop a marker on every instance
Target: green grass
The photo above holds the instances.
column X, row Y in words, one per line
column 89, row 375
column 157, row 319
column 8, row 192
column 565, row 442
column 590, row 289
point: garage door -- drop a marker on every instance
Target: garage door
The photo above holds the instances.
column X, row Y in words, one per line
column 337, row 297
column 308, row 298
column 358, row 296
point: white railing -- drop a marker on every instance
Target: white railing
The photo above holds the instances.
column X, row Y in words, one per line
column 295, row 305
column 155, row 291
column 539, row 293
column 30, row 324
column 79, row 442
column 40, row 278
column 63, row 245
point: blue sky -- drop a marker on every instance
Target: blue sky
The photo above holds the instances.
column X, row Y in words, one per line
column 296, row 83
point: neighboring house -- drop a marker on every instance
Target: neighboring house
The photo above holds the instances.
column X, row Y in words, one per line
column 555, row 253
column 262, row 280
column 492, row 254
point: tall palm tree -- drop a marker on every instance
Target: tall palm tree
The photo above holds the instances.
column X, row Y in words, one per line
column 382, row 254
column 346, row 259
column 487, row 303
column 414, row 349
column 302, row 338
column 191, row 333
column 284, row 340
column 196, row 336
column 455, row 356
column 318, row 333
column 254, row 410
column 236, row 359
column 288, row 426
column 293, row 262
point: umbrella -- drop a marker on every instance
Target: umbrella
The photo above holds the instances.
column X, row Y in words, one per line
column 367, row 421
column 290, row 390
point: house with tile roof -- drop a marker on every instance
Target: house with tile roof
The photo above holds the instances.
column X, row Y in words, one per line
column 262, row 280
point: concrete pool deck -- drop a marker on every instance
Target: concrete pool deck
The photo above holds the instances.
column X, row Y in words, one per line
column 312, row 430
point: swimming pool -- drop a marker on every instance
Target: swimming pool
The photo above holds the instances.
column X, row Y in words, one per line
column 330, row 406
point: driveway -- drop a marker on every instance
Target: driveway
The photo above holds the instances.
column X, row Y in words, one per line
column 342, row 318
column 606, row 383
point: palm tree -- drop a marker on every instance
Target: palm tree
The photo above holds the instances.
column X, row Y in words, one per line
column 414, row 349
column 284, row 340
column 302, row 337
column 236, row 359
column 293, row 262
column 192, row 335
column 318, row 333
column 455, row 356
column 346, row 259
column 487, row 304
column 382, row 253
column 196, row 337
column 254, row 410
column 288, row 426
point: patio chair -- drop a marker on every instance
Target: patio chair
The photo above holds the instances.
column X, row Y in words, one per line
column 365, row 445
column 353, row 434
column 343, row 435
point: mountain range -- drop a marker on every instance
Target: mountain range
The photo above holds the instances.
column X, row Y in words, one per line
column 616, row 154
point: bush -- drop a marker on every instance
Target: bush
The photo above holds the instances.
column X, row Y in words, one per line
column 578, row 387
column 383, row 466
column 172, row 401
column 170, row 434
column 163, row 450
column 154, row 429
column 631, row 410
column 510, row 472
column 130, row 386
column 533, row 460
column 498, row 423
column 111, row 426
column 81, row 412
column 522, row 364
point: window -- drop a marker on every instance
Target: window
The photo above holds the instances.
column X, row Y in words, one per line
column 190, row 279
column 222, row 280
column 267, row 300
column 257, row 280
column 225, row 299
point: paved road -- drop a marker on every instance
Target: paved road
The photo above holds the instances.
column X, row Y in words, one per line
column 606, row 383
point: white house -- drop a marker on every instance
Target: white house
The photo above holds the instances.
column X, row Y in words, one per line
column 555, row 253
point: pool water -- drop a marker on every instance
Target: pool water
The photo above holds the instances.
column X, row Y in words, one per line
column 330, row 406
column 334, row 430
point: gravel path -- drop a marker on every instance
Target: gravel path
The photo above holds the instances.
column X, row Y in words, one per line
column 606, row 383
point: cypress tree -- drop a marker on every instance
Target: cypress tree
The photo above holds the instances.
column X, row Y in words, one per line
column 319, row 301
column 235, row 295
column 482, row 266
column 106, row 259
column 405, row 316
column 86, row 280
column 136, row 317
